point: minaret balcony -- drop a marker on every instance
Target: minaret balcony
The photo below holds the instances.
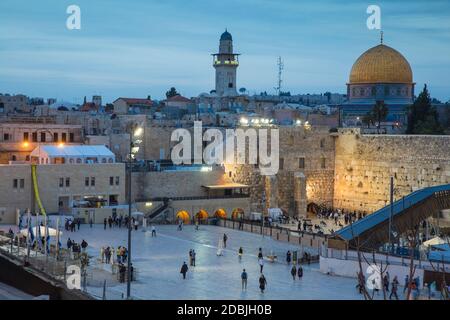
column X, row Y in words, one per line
column 226, row 63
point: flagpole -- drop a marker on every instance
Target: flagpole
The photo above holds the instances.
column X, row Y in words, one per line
column 38, row 232
column 28, row 235
column 46, row 238
column 57, row 238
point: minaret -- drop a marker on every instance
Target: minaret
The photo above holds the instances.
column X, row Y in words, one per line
column 226, row 62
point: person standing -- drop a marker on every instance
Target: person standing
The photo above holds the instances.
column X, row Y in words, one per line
column 244, row 279
column 261, row 265
column 84, row 245
column 300, row 272
column 225, row 238
column 104, row 224
column 193, row 257
column 184, row 270
column 293, row 272
column 288, row 257
column 262, row 283
column 190, row 257
column 153, row 231
column 260, row 254
column 78, row 223
column 394, row 288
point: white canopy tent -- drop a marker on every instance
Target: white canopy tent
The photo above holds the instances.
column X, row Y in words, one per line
column 52, row 232
column 51, row 154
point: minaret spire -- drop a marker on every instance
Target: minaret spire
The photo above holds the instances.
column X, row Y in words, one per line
column 381, row 37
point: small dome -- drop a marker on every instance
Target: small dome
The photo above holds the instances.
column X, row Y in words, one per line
column 226, row 36
column 381, row 64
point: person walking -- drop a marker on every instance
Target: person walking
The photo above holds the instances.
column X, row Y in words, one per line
column 406, row 283
column 136, row 224
column 102, row 254
column 394, row 288
column 153, row 231
column 261, row 265
column 262, row 283
column 104, row 224
column 69, row 243
column 260, row 254
column 78, row 223
column 244, row 279
column 90, row 222
column 293, row 272
column 225, row 238
column 184, row 270
column 190, row 257
column 386, row 282
column 240, row 253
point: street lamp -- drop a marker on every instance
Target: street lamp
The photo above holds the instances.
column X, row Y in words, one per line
column 135, row 133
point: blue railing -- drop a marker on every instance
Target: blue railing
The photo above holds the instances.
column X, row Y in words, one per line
column 383, row 214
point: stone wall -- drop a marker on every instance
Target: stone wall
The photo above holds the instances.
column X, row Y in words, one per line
column 365, row 163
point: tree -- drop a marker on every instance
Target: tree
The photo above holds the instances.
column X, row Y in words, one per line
column 172, row 93
column 242, row 90
column 379, row 113
column 422, row 116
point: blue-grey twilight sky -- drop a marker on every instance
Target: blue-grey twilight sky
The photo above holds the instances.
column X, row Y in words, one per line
column 137, row 48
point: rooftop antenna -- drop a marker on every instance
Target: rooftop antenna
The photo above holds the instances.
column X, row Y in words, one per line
column 381, row 39
column 280, row 71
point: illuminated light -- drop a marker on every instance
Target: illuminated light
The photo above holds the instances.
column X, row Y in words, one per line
column 60, row 145
column 25, row 144
column 138, row 132
column 298, row 122
column 134, row 149
column 244, row 121
column 206, row 169
column 256, row 121
column 148, row 204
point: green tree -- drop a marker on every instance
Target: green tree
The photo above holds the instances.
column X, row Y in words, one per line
column 422, row 116
column 379, row 113
column 172, row 93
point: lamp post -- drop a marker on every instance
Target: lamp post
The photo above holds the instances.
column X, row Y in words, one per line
column 135, row 132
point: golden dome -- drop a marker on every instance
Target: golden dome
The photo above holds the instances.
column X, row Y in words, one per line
column 381, row 64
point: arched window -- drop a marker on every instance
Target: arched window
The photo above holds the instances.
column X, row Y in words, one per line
column 103, row 160
column 110, row 160
column 78, row 160
column 13, row 158
column 374, row 91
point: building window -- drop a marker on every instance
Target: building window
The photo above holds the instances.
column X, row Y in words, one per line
column 6, row 136
column 67, row 182
column 301, row 163
column 15, row 183
column 117, row 180
column 64, row 137
column 111, row 181
column 43, row 136
column 25, row 136
column 374, row 91
column 61, row 182
column 281, row 163
column 86, row 182
column 322, row 143
column 323, row 163
column 71, row 137
column 399, row 92
column 55, row 137
column 14, row 158
column 27, row 158
column 22, row 183
column 92, row 181
column 386, row 90
column 34, row 137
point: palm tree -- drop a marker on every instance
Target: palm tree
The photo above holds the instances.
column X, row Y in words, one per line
column 379, row 113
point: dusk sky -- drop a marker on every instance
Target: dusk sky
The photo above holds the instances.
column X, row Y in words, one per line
column 136, row 48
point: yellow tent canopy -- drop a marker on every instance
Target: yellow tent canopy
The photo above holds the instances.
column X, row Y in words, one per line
column 220, row 213
column 237, row 213
column 202, row 214
column 183, row 215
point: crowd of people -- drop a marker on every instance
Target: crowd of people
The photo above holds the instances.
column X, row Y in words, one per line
column 119, row 221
